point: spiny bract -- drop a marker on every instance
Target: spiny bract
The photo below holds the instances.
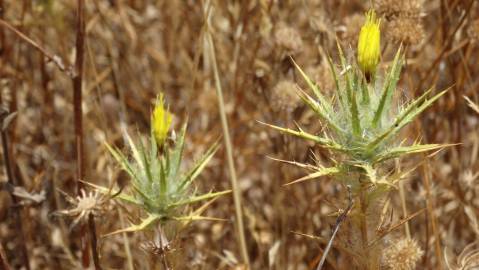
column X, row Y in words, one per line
column 362, row 126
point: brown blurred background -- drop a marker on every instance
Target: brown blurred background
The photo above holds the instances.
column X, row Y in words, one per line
column 135, row 49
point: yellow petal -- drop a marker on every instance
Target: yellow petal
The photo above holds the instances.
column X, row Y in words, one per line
column 160, row 121
column 369, row 44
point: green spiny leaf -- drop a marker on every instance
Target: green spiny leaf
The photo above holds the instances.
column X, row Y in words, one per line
column 327, row 143
column 199, row 198
column 135, row 152
column 163, row 180
column 198, row 168
column 146, row 162
column 197, row 214
column 366, row 100
column 320, row 172
column 405, row 117
column 177, row 153
column 407, row 150
column 120, row 158
column 190, row 218
column 121, row 196
column 316, row 107
column 323, row 103
column 355, row 115
column 349, row 83
column 389, row 87
column 134, row 228
column 340, row 92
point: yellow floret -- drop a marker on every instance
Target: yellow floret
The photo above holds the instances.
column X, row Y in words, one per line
column 369, row 44
column 160, row 121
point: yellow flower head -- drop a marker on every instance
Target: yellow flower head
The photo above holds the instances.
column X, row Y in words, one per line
column 160, row 121
column 369, row 44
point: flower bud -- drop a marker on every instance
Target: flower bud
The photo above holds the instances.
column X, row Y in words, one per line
column 160, row 121
column 369, row 44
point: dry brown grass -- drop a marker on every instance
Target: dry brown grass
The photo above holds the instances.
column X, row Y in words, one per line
column 134, row 49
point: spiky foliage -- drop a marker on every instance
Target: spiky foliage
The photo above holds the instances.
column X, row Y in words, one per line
column 362, row 124
column 159, row 186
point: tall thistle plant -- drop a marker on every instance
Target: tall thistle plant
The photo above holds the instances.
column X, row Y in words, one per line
column 362, row 133
column 158, row 185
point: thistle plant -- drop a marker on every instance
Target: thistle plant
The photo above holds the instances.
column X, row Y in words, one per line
column 158, row 185
column 362, row 125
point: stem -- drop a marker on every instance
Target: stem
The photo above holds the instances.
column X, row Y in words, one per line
column 12, row 183
column 50, row 57
column 403, row 202
column 432, row 216
column 78, row 119
column 126, row 242
column 3, row 47
column 77, row 95
column 339, row 221
column 93, row 241
column 363, row 223
column 3, row 259
column 159, row 235
column 229, row 153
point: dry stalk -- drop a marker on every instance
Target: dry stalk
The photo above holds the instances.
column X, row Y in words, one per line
column 403, row 201
column 229, row 152
column 3, row 259
column 432, row 69
column 126, row 242
column 339, row 221
column 51, row 57
column 12, row 182
column 432, row 216
column 78, row 122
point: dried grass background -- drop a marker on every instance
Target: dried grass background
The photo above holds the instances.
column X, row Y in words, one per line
column 135, row 49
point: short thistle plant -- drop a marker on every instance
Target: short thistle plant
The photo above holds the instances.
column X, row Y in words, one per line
column 362, row 126
column 159, row 187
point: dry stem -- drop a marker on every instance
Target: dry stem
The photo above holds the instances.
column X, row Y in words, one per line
column 12, row 182
column 78, row 119
column 432, row 216
column 229, row 153
column 363, row 223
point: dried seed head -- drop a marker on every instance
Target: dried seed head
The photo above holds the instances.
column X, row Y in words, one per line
column 284, row 97
column 402, row 254
column 468, row 178
column 84, row 205
column 159, row 245
column 392, row 8
column 288, row 39
column 407, row 30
